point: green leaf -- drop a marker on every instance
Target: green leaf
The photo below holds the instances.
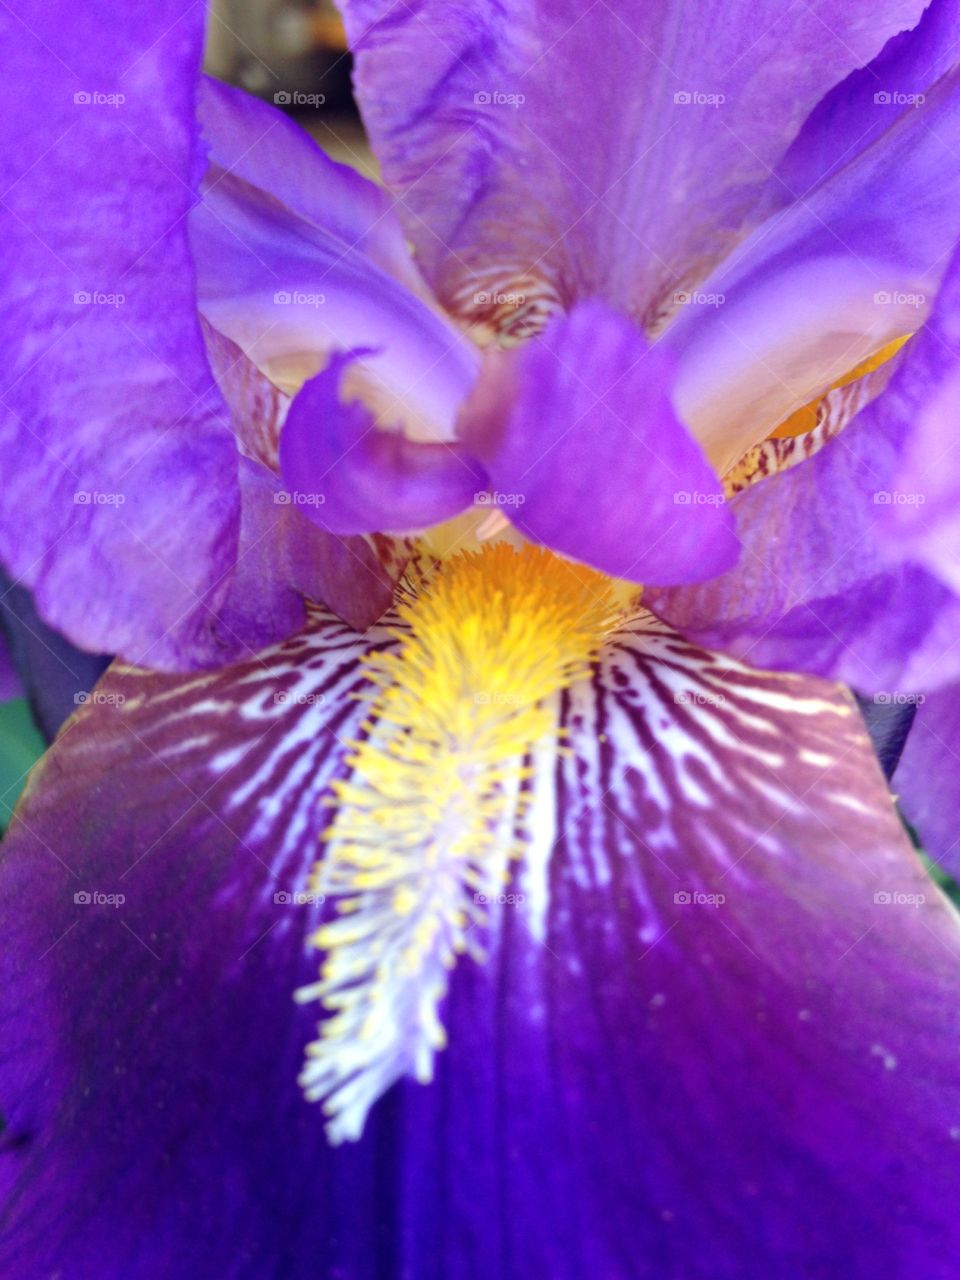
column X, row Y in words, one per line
column 21, row 745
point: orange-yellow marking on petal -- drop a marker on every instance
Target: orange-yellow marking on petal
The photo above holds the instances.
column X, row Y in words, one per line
column 805, row 419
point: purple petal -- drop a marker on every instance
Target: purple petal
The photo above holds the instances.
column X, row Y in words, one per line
column 823, row 285
column 584, row 450
column 820, row 586
column 926, row 778
column 120, row 500
column 641, row 1082
column 268, row 150
column 292, row 280
column 547, row 152
column 355, row 478
column 176, row 1067
column 860, row 109
column 283, row 558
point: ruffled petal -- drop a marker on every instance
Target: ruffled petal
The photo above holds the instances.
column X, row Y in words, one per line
column 120, row 504
column 267, row 149
column 712, row 1039
column 545, row 152
column 284, row 560
column 823, row 285
column 586, row 455
column 826, row 582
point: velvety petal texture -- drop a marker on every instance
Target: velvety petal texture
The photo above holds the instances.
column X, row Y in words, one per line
column 585, row 453
column 120, row 504
column 545, row 152
column 828, row 580
column 709, row 1043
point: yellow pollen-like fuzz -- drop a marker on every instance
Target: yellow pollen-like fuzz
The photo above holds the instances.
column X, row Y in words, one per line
column 434, row 807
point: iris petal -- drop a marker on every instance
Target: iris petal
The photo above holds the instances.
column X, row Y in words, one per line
column 708, row 1040
column 586, row 455
column 544, row 153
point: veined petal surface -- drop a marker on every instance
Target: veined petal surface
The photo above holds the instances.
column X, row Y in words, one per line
column 711, row 1040
column 545, row 152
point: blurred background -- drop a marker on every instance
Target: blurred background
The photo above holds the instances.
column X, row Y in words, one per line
column 289, row 52
column 292, row 53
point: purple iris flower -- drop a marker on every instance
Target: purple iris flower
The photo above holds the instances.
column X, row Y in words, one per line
column 588, row 921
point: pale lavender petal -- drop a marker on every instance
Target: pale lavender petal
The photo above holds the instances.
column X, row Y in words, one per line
column 823, row 285
column 826, row 582
column 860, row 109
column 291, row 280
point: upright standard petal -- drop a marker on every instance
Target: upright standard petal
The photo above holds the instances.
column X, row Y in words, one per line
column 120, row 500
column 707, row 1043
column 545, row 152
